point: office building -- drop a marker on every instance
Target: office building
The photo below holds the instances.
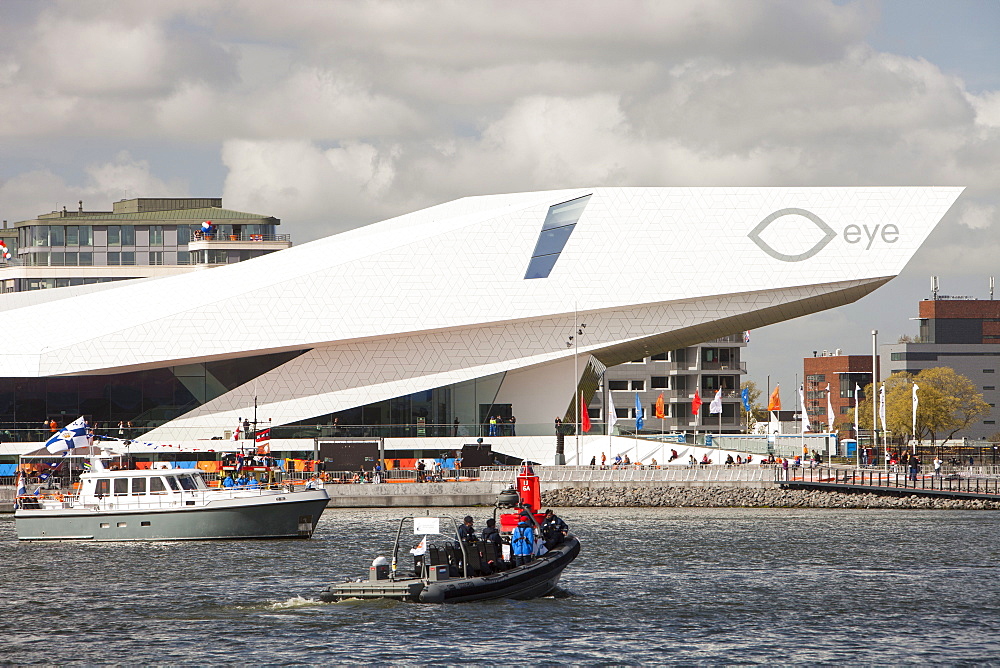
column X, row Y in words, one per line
column 837, row 374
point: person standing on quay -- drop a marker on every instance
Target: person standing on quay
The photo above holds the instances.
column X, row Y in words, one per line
column 937, row 465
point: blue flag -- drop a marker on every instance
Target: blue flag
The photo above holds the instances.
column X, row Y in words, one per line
column 638, row 413
column 745, row 397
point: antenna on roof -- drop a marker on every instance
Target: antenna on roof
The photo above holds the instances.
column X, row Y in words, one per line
column 934, row 287
column 991, row 283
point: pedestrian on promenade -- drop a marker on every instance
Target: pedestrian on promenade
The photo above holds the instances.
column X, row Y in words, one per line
column 914, row 467
column 937, row 465
column 513, row 426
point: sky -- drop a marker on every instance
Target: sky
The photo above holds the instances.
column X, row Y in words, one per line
column 330, row 115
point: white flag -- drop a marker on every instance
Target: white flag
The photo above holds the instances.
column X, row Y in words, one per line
column 805, row 415
column 881, row 406
column 857, row 399
column 421, row 548
column 716, row 405
column 19, row 489
column 612, row 415
column 829, row 410
column 915, row 402
column 73, row 435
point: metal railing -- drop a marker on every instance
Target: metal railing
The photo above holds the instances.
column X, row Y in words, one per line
column 961, row 482
column 679, row 473
column 215, row 236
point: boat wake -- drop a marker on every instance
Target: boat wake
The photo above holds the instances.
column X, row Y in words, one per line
column 288, row 604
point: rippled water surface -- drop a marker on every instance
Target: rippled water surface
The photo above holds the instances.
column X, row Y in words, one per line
column 677, row 585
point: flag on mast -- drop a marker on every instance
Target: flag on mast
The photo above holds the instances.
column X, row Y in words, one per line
column 263, row 441
column 915, row 402
column 829, row 409
column 696, row 403
column 73, row 435
column 19, row 488
column 639, row 413
column 774, row 402
column 745, row 398
column 659, row 406
column 881, row 406
column 612, row 415
column 857, row 400
column 584, row 416
column 716, row 405
column 805, row 414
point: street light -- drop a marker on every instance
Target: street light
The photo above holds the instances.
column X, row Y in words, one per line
column 574, row 341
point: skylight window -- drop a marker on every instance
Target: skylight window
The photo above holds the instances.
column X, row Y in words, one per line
column 556, row 228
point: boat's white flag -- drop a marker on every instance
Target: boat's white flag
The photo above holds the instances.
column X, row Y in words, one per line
column 19, row 489
column 421, row 548
column 805, row 414
column 881, row 406
column 915, row 402
column 716, row 405
column 73, row 435
column 829, row 410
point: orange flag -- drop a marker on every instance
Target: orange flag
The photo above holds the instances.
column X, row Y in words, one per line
column 659, row 406
column 774, row 403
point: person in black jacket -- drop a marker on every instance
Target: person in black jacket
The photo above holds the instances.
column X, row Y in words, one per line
column 466, row 532
column 554, row 530
column 491, row 535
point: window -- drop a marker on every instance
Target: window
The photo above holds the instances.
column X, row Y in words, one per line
column 172, row 481
column 639, row 385
column 659, row 382
column 71, row 258
column 556, row 230
column 187, row 482
column 138, row 486
column 103, row 487
column 183, row 235
column 988, row 371
column 86, row 235
column 639, row 361
column 114, row 258
column 660, row 357
column 617, row 384
column 989, row 421
column 121, row 486
column 989, row 387
column 816, row 378
column 86, row 259
column 114, row 235
column 128, row 258
column 72, row 235
column 156, row 235
column 156, row 486
column 183, row 257
column 844, row 410
column 156, row 257
column 40, row 237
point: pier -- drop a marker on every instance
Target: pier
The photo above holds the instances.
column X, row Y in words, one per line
column 880, row 481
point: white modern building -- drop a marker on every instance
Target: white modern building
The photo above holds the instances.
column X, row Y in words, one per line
column 430, row 322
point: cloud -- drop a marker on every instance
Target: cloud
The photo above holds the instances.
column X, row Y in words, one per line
column 40, row 191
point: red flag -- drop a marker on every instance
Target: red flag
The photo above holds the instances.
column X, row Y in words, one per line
column 263, row 440
column 659, row 406
column 696, row 403
column 584, row 416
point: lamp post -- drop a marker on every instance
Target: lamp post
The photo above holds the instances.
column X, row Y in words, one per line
column 574, row 340
column 875, row 395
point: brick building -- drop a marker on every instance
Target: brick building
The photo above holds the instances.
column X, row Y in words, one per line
column 839, row 374
column 961, row 333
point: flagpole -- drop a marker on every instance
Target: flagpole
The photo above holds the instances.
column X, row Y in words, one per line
column 576, row 378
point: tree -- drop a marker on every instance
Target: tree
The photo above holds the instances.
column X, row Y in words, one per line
column 948, row 403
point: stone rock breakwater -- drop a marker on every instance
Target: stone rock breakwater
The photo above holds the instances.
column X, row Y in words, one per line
column 745, row 497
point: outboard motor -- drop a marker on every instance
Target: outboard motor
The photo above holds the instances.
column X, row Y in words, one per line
column 508, row 498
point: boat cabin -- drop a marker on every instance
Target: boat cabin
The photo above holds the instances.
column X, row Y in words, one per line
column 139, row 484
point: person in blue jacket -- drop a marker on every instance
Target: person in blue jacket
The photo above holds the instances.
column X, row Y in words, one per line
column 522, row 543
column 228, row 481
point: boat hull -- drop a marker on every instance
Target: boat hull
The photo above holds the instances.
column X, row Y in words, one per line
column 294, row 515
column 533, row 580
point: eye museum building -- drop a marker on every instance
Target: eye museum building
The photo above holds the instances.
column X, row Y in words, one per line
column 429, row 324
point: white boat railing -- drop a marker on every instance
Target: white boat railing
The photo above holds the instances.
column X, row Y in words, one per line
column 178, row 499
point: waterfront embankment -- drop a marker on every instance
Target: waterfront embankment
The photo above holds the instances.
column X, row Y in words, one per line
column 730, row 496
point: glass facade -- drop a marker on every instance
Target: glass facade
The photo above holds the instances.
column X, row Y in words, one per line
column 144, row 398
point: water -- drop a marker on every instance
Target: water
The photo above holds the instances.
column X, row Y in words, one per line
column 668, row 586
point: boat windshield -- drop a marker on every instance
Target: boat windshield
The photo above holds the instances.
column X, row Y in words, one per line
column 187, row 482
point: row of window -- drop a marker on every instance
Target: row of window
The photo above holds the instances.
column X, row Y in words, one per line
column 114, row 258
column 156, row 485
column 56, row 236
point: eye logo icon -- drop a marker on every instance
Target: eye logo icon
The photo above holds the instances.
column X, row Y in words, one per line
column 828, row 235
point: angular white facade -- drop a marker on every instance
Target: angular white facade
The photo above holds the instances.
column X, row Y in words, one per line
column 440, row 296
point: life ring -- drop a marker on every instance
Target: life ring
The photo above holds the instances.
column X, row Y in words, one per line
column 59, row 498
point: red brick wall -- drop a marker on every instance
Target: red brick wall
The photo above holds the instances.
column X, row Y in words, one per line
column 969, row 308
column 831, row 367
